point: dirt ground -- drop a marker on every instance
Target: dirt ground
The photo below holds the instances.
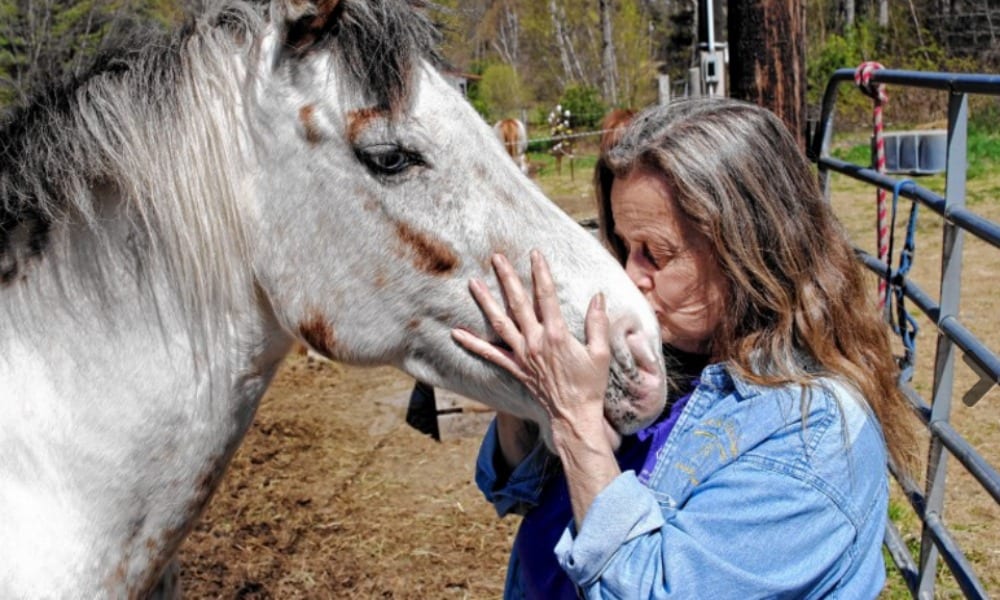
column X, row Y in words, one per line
column 969, row 511
column 332, row 495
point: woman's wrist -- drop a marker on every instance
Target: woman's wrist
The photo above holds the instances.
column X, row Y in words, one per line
column 582, row 436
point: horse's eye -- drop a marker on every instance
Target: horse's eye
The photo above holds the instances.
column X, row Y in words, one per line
column 389, row 160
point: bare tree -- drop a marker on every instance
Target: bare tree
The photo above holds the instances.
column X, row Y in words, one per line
column 849, row 10
column 609, row 63
column 505, row 23
column 568, row 56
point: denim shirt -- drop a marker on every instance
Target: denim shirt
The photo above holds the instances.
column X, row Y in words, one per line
column 754, row 495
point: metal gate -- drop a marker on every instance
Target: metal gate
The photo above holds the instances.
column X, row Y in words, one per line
column 937, row 542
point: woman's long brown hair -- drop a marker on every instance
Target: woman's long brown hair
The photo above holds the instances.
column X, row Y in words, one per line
column 799, row 306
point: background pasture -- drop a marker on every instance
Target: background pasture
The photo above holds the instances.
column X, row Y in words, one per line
column 332, row 495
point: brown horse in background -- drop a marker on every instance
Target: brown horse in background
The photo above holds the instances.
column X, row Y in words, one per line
column 612, row 126
column 514, row 137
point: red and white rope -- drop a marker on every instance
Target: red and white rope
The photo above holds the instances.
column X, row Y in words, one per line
column 862, row 77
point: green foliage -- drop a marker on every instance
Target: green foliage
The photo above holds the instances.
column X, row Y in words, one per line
column 473, row 94
column 585, row 106
column 52, row 39
column 636, row 67
column 836, row 52
column 902, row 46
column 500, row 92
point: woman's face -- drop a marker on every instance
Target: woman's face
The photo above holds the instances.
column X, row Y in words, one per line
column 672, row 264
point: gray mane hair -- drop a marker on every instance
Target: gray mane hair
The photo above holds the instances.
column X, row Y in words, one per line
column 153, row 126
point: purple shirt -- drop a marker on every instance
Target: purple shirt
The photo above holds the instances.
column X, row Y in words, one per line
column 543, row 525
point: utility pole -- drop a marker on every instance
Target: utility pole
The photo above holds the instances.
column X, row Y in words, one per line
column 767, row 58
column 711, row 54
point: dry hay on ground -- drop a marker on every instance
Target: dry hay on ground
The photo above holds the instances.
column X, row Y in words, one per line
column 333, row 496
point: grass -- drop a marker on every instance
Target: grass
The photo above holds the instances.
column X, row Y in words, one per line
column 571, row 185
column 983, row 149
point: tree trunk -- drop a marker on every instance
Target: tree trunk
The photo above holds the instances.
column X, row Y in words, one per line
column 504, row 26
column 609, row 63
column 562, row 42
column 767, row 43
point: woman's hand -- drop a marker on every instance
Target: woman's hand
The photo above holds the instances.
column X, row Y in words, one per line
column 568, row 378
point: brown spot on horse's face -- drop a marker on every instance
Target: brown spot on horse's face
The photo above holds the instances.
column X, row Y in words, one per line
column 312, row 133
column 318, row 333
column 430, row 254
column 357, row 120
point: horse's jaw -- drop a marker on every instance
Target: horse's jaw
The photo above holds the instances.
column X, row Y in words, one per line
column 635, row 397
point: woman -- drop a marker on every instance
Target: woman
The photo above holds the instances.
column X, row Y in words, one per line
column 766, row 475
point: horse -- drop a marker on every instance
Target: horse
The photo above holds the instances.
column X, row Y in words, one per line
column 613, row 125
column 181, row 213
column 514, row 137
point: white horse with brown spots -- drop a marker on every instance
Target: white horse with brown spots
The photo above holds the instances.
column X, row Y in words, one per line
column 172, row 222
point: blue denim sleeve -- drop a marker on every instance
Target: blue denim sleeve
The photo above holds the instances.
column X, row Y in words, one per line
column 750, row 531
column 515, row 491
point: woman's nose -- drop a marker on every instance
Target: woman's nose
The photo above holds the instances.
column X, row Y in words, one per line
column 639, row 275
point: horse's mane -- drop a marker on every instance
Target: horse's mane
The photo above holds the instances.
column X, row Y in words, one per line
column 155, row 124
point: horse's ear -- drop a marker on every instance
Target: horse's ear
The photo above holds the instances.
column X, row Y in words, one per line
column 308, row 22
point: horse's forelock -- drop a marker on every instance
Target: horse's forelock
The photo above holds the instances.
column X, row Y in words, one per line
column 380, row 43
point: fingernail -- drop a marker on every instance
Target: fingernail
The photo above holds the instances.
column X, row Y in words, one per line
column 599, row 301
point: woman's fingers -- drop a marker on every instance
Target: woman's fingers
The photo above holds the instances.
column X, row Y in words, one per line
column 522, row 308
column 495, row 314
column 597, row 328
column 535, row 337
column 488, row 351
column 545, row 294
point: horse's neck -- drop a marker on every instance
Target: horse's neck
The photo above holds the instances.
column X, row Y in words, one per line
column 114, row 380
column 95, row 302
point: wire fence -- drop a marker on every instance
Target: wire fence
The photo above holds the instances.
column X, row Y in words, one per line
column 570, row 136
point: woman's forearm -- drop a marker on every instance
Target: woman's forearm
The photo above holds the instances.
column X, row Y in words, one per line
column 588, row 462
